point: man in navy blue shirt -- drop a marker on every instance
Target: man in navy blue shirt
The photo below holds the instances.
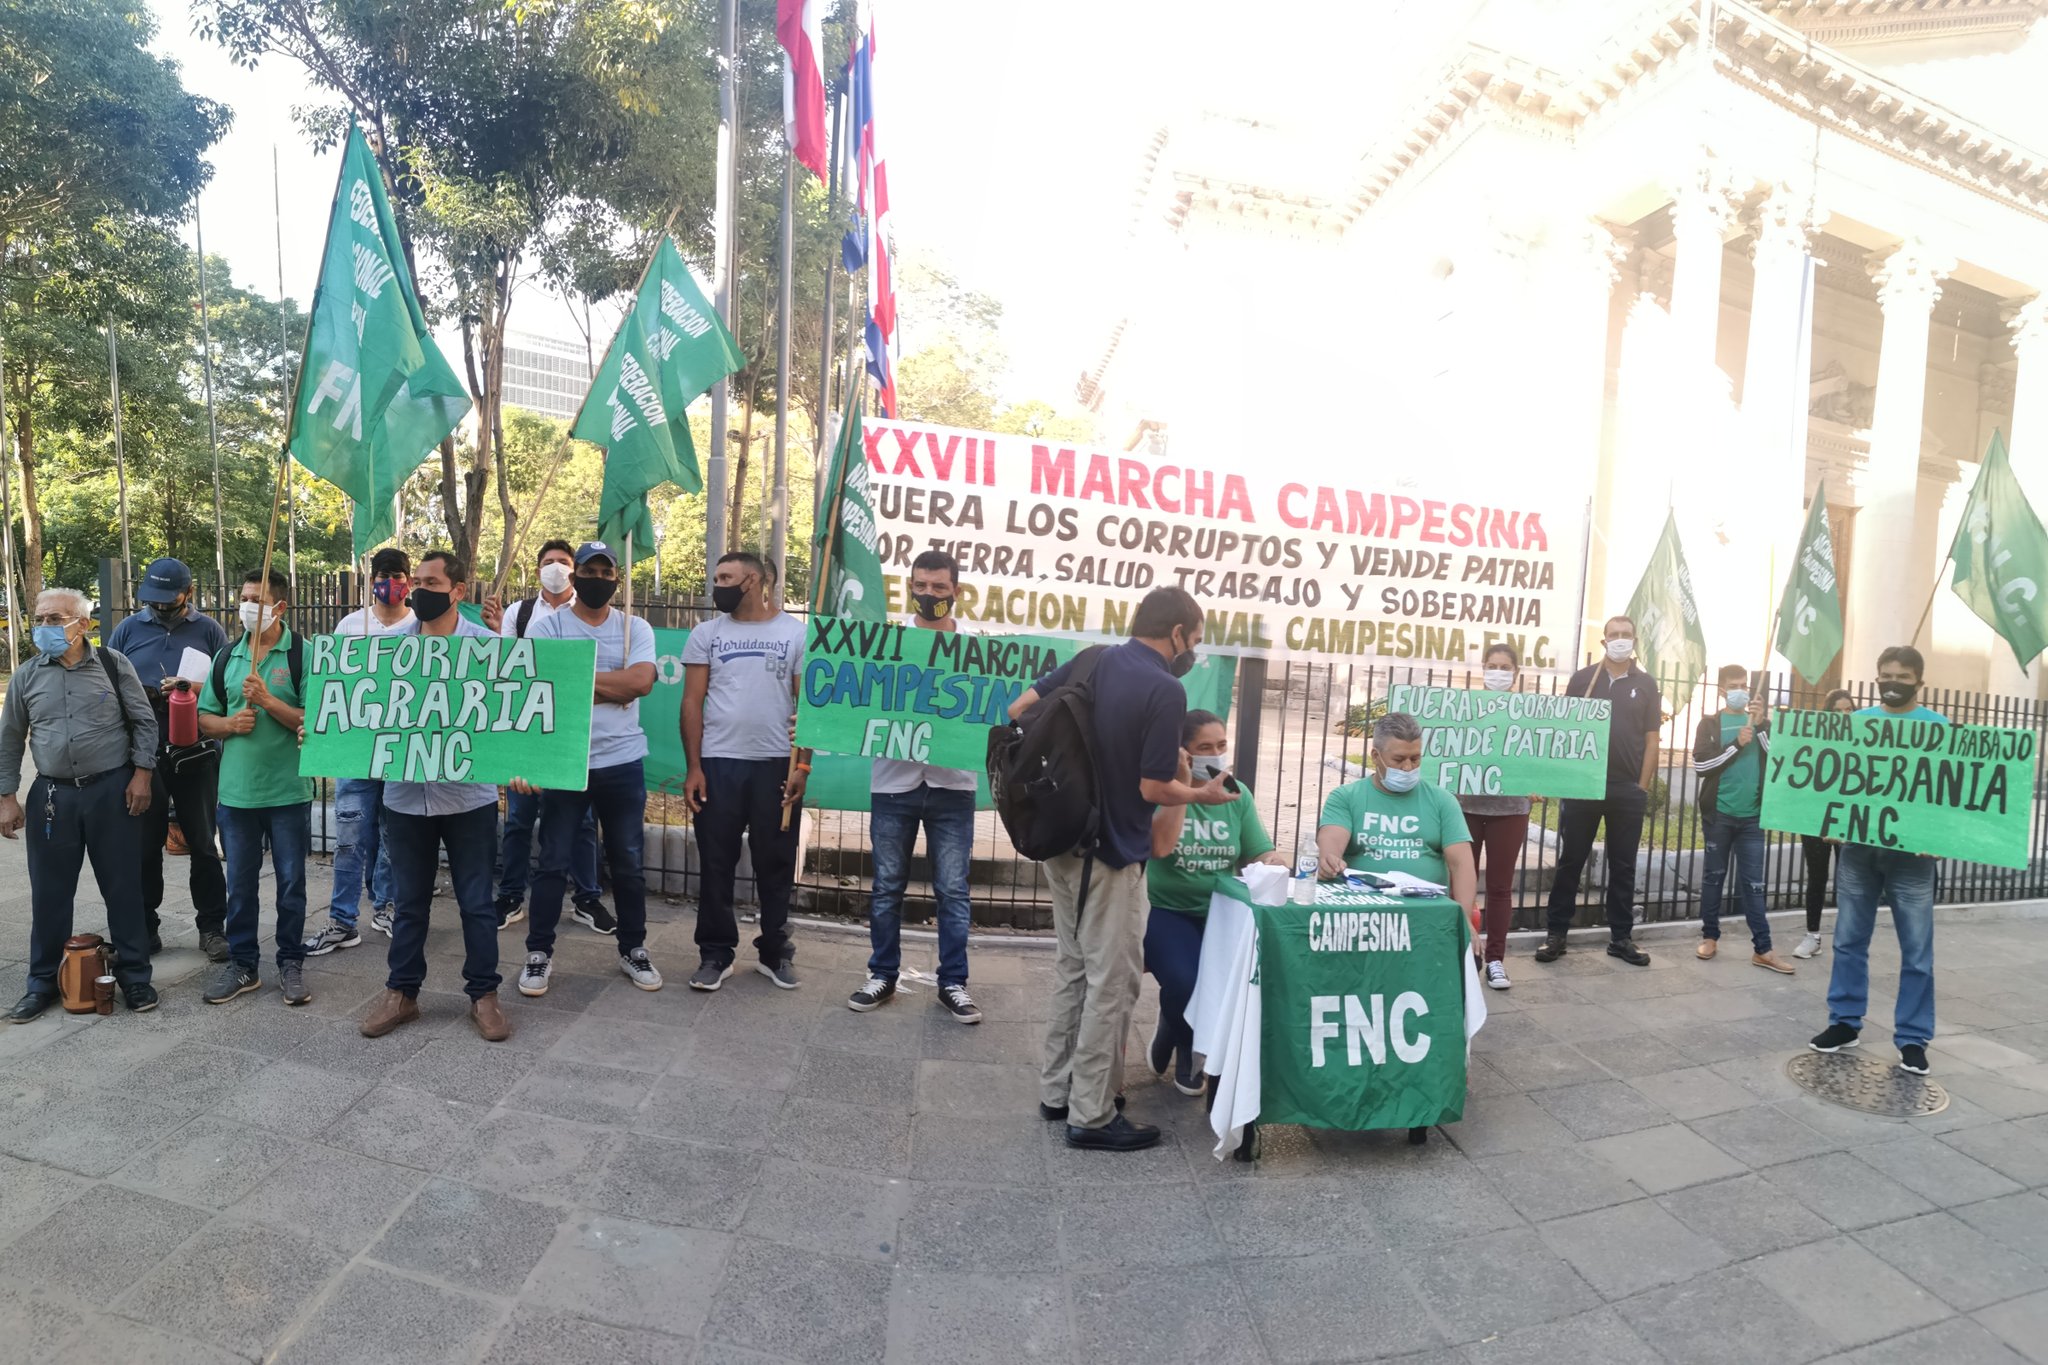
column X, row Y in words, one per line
column 154, row 640
column 1139, row 704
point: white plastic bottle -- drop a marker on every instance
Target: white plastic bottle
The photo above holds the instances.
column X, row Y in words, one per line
column 1308, row 861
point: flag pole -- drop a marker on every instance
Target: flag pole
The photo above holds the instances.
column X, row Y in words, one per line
column 120, row 454
column 291, row 522
column 820, row 568
column 7, row 517
column 220, row 553
column 721, row 286
column 778, row 504
column 831, row 264
column 1928, row 610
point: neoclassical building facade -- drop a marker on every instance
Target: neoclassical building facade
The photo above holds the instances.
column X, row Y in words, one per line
column 1705, row 255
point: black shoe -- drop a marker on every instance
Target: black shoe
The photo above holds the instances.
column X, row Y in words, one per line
column 1118, row 1135
column 1187, row 1080
column 511, row 910
column 1057, row 1113
column 960, row 1004
column 782, row 973
column 872, row 993
column 1160, row 1054
column 214, row 944
column 1553, row 948
column 1834, row 1038
column 231, row 980
column 1913, row 1058
column 32, row 1005
column 1626, row 950
column 593, row 913
column 140, row 995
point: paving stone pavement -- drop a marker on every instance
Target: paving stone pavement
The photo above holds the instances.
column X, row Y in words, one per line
column 763, row 1176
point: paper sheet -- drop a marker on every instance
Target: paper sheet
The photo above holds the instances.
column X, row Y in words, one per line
column 192, row 665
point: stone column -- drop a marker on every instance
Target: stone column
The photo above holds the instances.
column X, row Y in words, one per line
column 1700, row 218
column 1583, row 262
column 2027, row 440
column 1774, row 393
column 1888, row 585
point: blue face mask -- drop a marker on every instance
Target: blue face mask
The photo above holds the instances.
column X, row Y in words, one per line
column 52, row 639
column 1400, row 779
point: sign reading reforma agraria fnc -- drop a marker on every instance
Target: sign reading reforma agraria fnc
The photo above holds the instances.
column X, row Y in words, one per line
column 1059, row 538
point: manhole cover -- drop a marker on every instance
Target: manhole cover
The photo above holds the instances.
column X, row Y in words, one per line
column 1867, row 1084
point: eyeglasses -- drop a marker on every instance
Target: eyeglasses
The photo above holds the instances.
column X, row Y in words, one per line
column 55, row 618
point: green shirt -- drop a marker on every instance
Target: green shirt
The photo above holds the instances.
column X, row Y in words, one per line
column 1213, row 839
column 1404, row 833
column 259, row 769
column 1740, row 791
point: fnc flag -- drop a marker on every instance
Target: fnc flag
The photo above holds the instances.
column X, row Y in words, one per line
column 374, row 392
column 1810, row 613
column 798, row 29
column 2001, row 558
column 1669, row 640
column 868, row 241
column 846, row 561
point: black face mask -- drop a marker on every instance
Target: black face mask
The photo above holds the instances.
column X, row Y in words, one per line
column 168, row 611
column 728, row 598
column 1896, row 693
column 932, row 607
column 1181, row 664
column 595, row 592
column 429, row 605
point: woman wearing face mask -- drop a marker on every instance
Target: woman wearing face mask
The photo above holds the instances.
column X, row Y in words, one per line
column 1819, row 853
column 1499, row 826
column 1393, row 821
column 1188, row 850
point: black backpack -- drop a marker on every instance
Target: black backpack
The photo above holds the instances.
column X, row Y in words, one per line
column 294, row 658
column 1041, row 769
column 524, row 616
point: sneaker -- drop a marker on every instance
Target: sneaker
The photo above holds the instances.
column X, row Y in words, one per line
column 593, row 913
column 533, row 978
column 140, row 996
column 1913, row 1058
column 1187, row 1080
column 214, row 945
column 1497, row 976
column 1553, row 948
column 231, row 980
column 960, row 1004
column 1118, row 1135
column 511, row 910
column 381, row 921
column 639, row 970
column 1770, row 962
column 332, row 937
column 782, row 973
column 291, row 979
column 1808, row 946
column 1626, row 950
column 709, row 976
column 1834, row 1038
column 872, row 994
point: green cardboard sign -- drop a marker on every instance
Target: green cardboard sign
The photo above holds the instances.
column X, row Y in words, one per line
column 1919, row 786
column 1477, row 743
column 449, row 708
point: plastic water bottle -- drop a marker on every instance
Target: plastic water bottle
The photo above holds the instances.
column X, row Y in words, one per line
column 1308, row 863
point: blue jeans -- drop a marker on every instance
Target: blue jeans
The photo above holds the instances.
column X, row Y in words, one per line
column 948, row 820
column 242, row 832
column 1744, row 837
column 359, row 853
column 618, row 796
column 1864, row 876
column 416, row 842
column 1173, row 954
column 522, row 813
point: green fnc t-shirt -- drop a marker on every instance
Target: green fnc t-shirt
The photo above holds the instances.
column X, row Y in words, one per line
column 260, row 769
column 1404, row 833
column 1740, row 792
column 1213, row 839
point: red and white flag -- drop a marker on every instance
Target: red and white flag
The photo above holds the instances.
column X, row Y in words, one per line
column 798, row 27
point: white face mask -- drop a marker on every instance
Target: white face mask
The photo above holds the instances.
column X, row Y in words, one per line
column 1400, row 779
column 1208, row 767
column 1499, row 679
column 1621, row 650
column 554, row 577
column 255, row 618
column 1738, row 700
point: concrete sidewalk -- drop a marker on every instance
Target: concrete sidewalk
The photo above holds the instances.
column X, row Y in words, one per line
column 759, row 1176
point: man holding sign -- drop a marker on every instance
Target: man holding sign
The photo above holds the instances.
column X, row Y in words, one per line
column 1728, row 752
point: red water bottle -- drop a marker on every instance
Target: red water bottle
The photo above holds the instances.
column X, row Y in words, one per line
column 184, row 716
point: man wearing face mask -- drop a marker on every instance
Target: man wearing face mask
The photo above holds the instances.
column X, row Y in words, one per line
column 255, row 709
column 359, row 857
column 1729, row 750
column 903, row 795
column 739, row 697
column 557, row 564
column 1867, row 876
column 1637, row 716
column 1393, row 821
column 155, row 640
column 82, row 714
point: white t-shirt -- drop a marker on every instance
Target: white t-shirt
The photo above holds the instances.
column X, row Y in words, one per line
column 752, row 694
column 354, row 624
column 892, row 775
column 615, row 735
column 542, row 610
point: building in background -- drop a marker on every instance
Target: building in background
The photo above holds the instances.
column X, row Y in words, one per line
column 546, row 375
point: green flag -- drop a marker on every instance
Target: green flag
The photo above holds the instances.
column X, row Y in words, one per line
column 1810, row 614
column 671, row 348
column 846, row 568
column 1669, row 641
column 2001, row 557
column 374, row 393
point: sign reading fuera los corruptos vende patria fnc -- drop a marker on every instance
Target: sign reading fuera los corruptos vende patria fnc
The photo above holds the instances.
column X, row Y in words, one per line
column 1477, row 743
column 449, row 708
column 1918, row 786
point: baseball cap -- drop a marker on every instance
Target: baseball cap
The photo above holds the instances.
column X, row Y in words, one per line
column 163, row 580
column 594, row 549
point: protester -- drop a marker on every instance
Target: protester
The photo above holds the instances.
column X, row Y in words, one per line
column 421, row 819
column 186, row 777
column 1867, row 876
column 1728, row 752
column 1499, row 826
column 902, row 795
column 739, row 701
column 1819, row 852
column 1189, row 851
column 360, row 859
column 557, row 565
column 255, row 709
column 1394, row 822
column 617, row 787
column 1638, row 714
column 85, row 719
column 1139, row 706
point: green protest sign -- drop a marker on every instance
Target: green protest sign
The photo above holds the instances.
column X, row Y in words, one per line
column 449, row 708
column 1477, row 743
column 1920, row 786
